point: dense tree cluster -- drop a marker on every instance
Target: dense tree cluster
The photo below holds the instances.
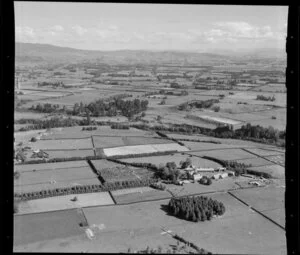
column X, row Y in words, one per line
column 158, row 186
column 119, row 126
column 265, row 98
column 198, row 104
column 168, row 172
column 47, row 108
column 89, row 128
column 53, row 84
column 205, row 180
column 195, row 208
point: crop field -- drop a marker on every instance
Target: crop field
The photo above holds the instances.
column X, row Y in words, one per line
column 46, row 226
column 271, row 88
column 109, row 141
column 255, row 233
column 198, row 146
column 225, row 154
column 157, row 160
column 63, row 144
column 122, row 173
column 277, row 124
column 63, row 184
column 51, row 166
column 140, row 149
column 28, row 115
column 275, row 171
column 130, row 191
column 181, row 136
column 65, row 202
column 57, row 175
column 69, row 153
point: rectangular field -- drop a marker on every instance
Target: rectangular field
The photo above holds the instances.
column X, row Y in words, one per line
column 140, row 149
column 278, row 159
column 51, row 166
column 51, row 186
column 47, row 226
column 66, row 144
column 198, row 146
column 225, row 154
column 65, row 202
column 264, row 152
column 58, row 175
column 69, row 153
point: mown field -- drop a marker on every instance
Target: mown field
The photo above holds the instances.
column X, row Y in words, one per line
column 140, row 149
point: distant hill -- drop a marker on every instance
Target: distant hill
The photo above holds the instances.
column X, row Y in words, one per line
column 46, row 52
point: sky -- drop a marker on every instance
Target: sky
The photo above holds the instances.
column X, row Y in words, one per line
column 112, row 26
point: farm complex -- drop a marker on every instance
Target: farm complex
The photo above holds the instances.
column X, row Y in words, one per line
column 117, row 151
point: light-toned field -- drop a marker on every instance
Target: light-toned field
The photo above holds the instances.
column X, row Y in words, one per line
column 28, row 115
column 64, row 202
column 51, row 166
column 63, row 144
column 33, row 228
column 130, row 191
column 157, row 160
column 140, row 149
column 275, row 171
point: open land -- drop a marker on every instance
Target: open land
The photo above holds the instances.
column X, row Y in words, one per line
column 254, row 220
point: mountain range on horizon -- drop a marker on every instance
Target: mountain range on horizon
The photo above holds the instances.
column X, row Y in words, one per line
column 47, row 52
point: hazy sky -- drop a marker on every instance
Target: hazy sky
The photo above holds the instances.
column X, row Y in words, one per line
column 105, row 26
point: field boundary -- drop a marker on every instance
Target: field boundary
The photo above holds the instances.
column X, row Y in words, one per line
column 257, row 211
column 263, row 157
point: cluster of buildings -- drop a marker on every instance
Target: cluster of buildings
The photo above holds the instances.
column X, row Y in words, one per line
column 196, row 173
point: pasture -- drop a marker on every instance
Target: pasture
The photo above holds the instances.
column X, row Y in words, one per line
column 47, row 226
column 62, row 144
column 65, row 202
column 70, row 153
column 275, row 171
column 177, row 158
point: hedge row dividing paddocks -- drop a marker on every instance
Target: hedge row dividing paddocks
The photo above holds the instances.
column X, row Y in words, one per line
column 194, row 246
column 107, row 186
column 54, row 160
column 162, row 135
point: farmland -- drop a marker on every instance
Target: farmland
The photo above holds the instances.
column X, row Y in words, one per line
column 100, row 148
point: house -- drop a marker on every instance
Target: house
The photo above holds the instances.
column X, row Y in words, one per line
column 224, row 175
column 197, row 177
column 216, row 176
column 201, row 169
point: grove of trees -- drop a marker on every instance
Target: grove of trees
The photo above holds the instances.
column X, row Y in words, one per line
column 195, row 208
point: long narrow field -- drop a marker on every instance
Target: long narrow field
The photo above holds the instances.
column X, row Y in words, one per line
column 62, row 144
column 140, row 149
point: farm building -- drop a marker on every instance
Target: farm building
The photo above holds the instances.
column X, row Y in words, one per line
column 197, row 177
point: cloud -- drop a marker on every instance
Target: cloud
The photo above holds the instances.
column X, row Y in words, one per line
column 79, row 30
column 57, row 28
column 25, row 34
